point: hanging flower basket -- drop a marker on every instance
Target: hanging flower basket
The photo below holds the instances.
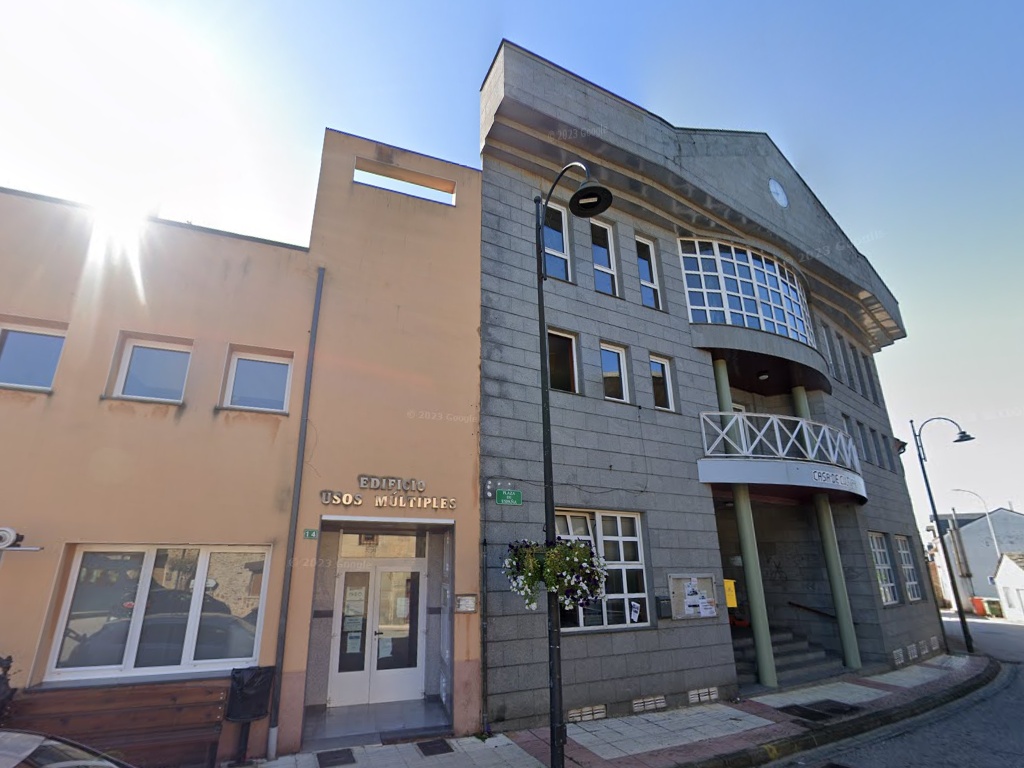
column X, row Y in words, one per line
column 570, row 569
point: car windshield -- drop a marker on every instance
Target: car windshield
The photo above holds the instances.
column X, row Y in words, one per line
column 26, row 750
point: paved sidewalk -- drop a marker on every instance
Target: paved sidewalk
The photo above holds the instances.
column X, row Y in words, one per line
column 735, row 734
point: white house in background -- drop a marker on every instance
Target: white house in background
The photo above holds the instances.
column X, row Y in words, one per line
column 975, row 556
column 1010, row 583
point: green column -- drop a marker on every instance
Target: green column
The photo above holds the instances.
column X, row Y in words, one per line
column 833, row 561
column 748, row 550
column 836, row 580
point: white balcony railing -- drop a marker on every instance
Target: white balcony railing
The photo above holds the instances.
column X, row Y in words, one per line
column 767, row 436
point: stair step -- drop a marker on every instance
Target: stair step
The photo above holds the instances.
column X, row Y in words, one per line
column 778, row 636
column 788, row 660
column 791, row 646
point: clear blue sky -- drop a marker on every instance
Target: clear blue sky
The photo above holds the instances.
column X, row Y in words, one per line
column 906, row 120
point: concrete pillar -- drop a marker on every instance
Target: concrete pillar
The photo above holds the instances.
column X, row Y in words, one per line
column 748, row 550
column 833, row 561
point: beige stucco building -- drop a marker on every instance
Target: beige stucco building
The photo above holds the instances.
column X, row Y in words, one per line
column 170, row 503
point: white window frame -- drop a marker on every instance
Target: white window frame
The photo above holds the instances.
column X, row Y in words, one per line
column 575, row 368
column 609, row 270
column 564, row 254
column 653, row 284
column 139, row 609
column 229, row 388
column 596, row 539
column 620, row 353
column 883, row 568
column 126, row 357
column 666, row 364
column 911, row 583
column 38, row 331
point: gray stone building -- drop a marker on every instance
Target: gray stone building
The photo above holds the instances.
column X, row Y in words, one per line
column 715, row 407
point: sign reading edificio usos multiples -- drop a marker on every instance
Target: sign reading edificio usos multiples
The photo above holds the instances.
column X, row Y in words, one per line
column 387, row 491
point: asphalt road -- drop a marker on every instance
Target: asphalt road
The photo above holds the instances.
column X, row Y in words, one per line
column 982, row 730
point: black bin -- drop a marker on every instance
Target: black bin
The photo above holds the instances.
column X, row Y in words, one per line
column 248, row 700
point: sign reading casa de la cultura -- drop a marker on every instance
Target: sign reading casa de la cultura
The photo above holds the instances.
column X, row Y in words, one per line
column 388, row 491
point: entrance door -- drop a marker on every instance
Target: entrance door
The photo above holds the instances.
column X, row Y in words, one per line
column 377, row 648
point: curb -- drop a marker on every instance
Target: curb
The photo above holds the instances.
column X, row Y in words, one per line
column 791, row 745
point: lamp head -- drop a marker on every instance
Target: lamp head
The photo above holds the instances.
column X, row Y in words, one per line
column 591, row 199
column 963, row 437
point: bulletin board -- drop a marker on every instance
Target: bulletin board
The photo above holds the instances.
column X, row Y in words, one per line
column 693, row 596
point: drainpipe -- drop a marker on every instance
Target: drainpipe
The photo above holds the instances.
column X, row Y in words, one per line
column 293, row 525
column 485, row 725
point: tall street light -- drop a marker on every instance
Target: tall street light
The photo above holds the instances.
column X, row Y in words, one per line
column 591, row 199
column 962, row 437
column 988, row 519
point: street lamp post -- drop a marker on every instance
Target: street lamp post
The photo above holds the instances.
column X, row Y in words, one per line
column 589, row 200
column 962, row 437
column 988, row 519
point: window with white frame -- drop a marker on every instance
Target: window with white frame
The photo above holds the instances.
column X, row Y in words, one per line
column 613, row 373
column 731, row 285
column 143, row 609
column 615, row 536
column 561, row 361
column 906, row 556
column 152, row 370
column 259, row 382
column 883, row 568
column 556, row 244
column 661, row 383
column 650, row 294
column 29, row 356
column 604, row 258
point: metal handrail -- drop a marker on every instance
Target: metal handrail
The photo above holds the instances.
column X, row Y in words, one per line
column 769, row 436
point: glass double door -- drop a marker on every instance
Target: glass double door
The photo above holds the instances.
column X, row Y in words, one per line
column 377, row 648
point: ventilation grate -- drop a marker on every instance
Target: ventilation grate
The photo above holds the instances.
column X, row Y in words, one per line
column 897, row 657
column 583, row 714
column 649, row 703
column 703, row 695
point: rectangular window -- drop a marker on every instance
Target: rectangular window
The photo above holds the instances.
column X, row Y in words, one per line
column 649, row 293
column 890, row 460
column 153, row 371
column 869, row 374
column 865, row 447
column 876, row 448
column 661, row 383
column 613, row 373
column 604, row 258
column 883, row 568
column 837, row 367
column 616, row 537
column 561, row 362
column 847, row 367
column 147, row 609
column 826, row 346
column 28, row 357
column 906, row 555
column 860, row 369
column 259, row 382
column 556, row 245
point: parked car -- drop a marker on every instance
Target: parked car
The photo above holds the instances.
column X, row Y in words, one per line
column 23, row 749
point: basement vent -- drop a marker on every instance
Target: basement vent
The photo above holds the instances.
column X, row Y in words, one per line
column 897, row 657
column 596, row 712
column 912, row 651
column 922, row 647
column 703, row 695
column 935, row 642
column 649, row 703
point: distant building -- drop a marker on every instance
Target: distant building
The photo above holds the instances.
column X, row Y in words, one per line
column 973, row 552
column 1010, row 583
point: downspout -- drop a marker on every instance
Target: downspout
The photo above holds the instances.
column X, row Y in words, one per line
column 293, row 524
column 485, row 726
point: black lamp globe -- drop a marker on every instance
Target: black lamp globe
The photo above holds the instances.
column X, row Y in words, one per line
column 591, row 199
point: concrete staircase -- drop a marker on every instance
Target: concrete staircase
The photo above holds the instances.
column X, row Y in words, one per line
column 796, row 659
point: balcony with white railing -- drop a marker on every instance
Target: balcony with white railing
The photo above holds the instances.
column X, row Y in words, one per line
column 767, row 449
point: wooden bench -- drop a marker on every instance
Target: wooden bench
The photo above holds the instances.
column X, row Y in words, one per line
column 151, row 725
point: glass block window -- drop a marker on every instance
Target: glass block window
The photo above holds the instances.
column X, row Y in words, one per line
column 604, row 261
column 906, row 555
column 883, row 568
column 730, row 285
column 615, row 536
